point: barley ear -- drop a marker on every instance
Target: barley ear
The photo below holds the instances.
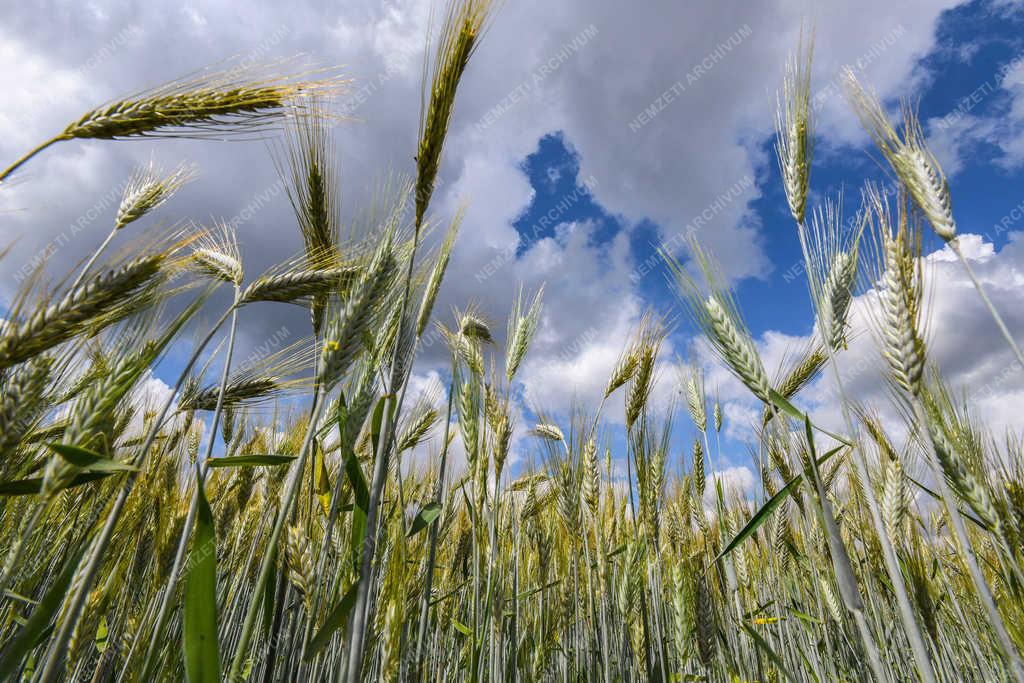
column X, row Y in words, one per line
column 463, row 27
column 794, row 145
column 147, row 189
column 521, row 327
column 437, row 273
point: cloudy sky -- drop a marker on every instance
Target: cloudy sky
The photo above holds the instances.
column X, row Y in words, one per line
column 587, row 133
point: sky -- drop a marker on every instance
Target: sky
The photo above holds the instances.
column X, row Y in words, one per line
column 587, row 135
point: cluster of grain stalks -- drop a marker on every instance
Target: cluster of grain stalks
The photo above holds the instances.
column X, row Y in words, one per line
column 190, row 537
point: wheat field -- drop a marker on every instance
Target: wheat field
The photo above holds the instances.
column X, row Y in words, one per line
column 295, row 518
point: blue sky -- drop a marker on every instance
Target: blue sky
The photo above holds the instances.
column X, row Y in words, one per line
column 978, row 44
column 562, row 187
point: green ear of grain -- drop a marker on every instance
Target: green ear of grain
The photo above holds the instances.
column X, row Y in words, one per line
column 199, row 619
column 251, row 461
column 337, row 618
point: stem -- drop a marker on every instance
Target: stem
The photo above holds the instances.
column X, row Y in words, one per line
column 14, row 167
column 92, row 259
column 355, row 656
column 179, row 555
column 87, row 574
column 268, row 556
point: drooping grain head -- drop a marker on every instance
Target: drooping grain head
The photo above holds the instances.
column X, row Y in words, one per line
column 218, row 103
column 712, row 309
column 549, row 431
column 54, row 322
column 915, row 165
column 901, row 291
column 472, row 326
column 295, row 283
column 737, row 348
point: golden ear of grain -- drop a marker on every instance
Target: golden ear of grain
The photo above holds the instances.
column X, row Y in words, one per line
column 460, row 34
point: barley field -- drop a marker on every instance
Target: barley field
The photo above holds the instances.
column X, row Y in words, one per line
column 297, row 516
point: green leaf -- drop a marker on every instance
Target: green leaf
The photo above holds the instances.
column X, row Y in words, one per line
column 250, row 461
column 322, row 478
column 760, row 516
column 199, row 618
column 362, row 502
column 937, row 497
column 102, row 634
column 89, row 460
column 768, row 508
column 336, row 618
column 617, row 551
column 534, row 591
column 355, row 477
column 783, row 404
column 377, row 421
column 769, row 652
column 462, row 628
column 425, row 517
column 439, row 600
column 269, row 592
column 39, row 621
column 26, row 487
column 805, row 617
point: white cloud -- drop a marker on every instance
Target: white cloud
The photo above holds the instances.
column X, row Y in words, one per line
column 736, row 482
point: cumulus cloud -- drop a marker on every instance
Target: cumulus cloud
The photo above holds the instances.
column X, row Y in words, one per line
column 736, row 482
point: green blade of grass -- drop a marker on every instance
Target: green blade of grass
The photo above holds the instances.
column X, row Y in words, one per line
column 38, row 623
column 89, row 460
column 336, row 618
column 199, row 618
column 251, row 461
